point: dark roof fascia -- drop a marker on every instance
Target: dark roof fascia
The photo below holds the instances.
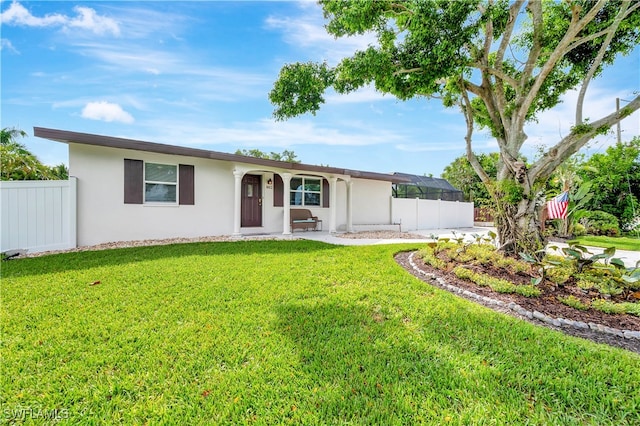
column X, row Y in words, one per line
column 65, row 136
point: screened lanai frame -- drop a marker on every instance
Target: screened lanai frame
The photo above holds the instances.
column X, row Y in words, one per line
column 426, row 188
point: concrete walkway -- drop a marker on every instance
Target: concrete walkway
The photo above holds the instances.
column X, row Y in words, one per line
column 427, row 235
column 630, row 258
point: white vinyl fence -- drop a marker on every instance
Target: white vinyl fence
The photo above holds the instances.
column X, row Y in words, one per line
column 414, row 214
column 38, row 215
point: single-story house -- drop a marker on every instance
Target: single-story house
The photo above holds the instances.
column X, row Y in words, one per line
column 134, row 190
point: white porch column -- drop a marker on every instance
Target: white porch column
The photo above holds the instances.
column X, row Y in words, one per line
column 349, row 206
column 333, row 190
column 237, row 202
column 286, row 217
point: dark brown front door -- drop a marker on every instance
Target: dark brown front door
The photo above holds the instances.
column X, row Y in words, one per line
column 251, row 201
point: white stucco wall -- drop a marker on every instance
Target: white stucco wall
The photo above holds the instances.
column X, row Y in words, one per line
column 104, row 217
column 371, row 202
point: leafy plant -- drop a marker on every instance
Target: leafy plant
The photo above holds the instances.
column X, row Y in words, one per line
column 574, row 302
column 632, row 308
column 608, row 307
column 428, row 256
column 540, row 263
column 582, row 257
column 528, row 290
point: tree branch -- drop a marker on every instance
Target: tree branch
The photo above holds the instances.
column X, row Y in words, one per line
column 497, row 71
column 611, row 31
column 535, row 7
column 571, row 143
column 467, row 110
column 492, row 91
column 508, row 31
column 558, row 53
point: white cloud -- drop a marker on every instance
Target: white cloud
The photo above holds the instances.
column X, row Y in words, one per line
column 307, row 31
column 85, row 19
column 261, row 133
column 88, row 19
column 106, row 111
column 5, row 44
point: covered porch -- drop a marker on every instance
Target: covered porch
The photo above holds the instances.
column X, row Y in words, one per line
column 267, row 193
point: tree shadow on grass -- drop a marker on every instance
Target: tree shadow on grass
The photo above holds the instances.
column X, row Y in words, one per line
column 120, row 256
column 366, row 368
column 366, row 372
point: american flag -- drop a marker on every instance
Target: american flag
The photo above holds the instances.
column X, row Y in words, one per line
column 557, row 207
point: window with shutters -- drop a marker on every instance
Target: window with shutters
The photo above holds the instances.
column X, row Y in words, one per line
column 159, row 184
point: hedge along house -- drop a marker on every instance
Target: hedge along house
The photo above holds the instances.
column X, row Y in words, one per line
column 131, row 190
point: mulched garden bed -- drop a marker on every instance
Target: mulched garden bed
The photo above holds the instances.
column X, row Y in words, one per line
column 547, row 304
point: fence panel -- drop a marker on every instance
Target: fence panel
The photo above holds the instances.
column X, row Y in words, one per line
column 38, row 215
column 413, row 214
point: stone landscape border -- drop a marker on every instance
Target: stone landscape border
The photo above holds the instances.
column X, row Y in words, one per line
column 557, row 322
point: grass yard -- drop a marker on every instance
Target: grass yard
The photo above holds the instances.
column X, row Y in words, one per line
column 284, row 332
column 620, row 243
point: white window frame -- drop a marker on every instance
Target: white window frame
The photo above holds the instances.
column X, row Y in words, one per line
column 303, row 191
column 176, row 183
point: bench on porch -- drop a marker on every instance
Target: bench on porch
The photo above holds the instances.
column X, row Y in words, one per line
column 303, row 219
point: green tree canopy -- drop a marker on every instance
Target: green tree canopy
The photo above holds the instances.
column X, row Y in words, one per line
column 461, row 175
column 18, row 163
column 615, row 180
column 501, row 62
column 286, row 155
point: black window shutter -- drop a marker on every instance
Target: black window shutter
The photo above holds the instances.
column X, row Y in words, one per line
column 187, row 187
column 325, row 193
column 278, row 191
column 133, row 181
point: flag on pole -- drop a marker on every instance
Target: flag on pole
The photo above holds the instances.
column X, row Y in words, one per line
column 557, row 206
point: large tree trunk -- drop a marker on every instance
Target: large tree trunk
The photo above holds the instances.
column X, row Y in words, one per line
column 518, row 227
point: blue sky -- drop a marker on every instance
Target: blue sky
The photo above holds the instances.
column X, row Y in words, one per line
column 198, row 74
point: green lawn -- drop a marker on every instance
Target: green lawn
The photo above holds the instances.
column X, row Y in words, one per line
column 292, row 332
column 620, row 243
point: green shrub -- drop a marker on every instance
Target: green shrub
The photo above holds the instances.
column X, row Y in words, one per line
column 464, row 273
column 609, row 286
column 483, row 253
column 579, row 230
column 574, row 302
column 513, row 265
column 502, row 286
column 608, row 307
column 586, row 283
column 601, row 279
column 598, row 222
column 528, row 290
column 496, row 284
column 428, row 256
column 632, row 308
column 559, row 275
